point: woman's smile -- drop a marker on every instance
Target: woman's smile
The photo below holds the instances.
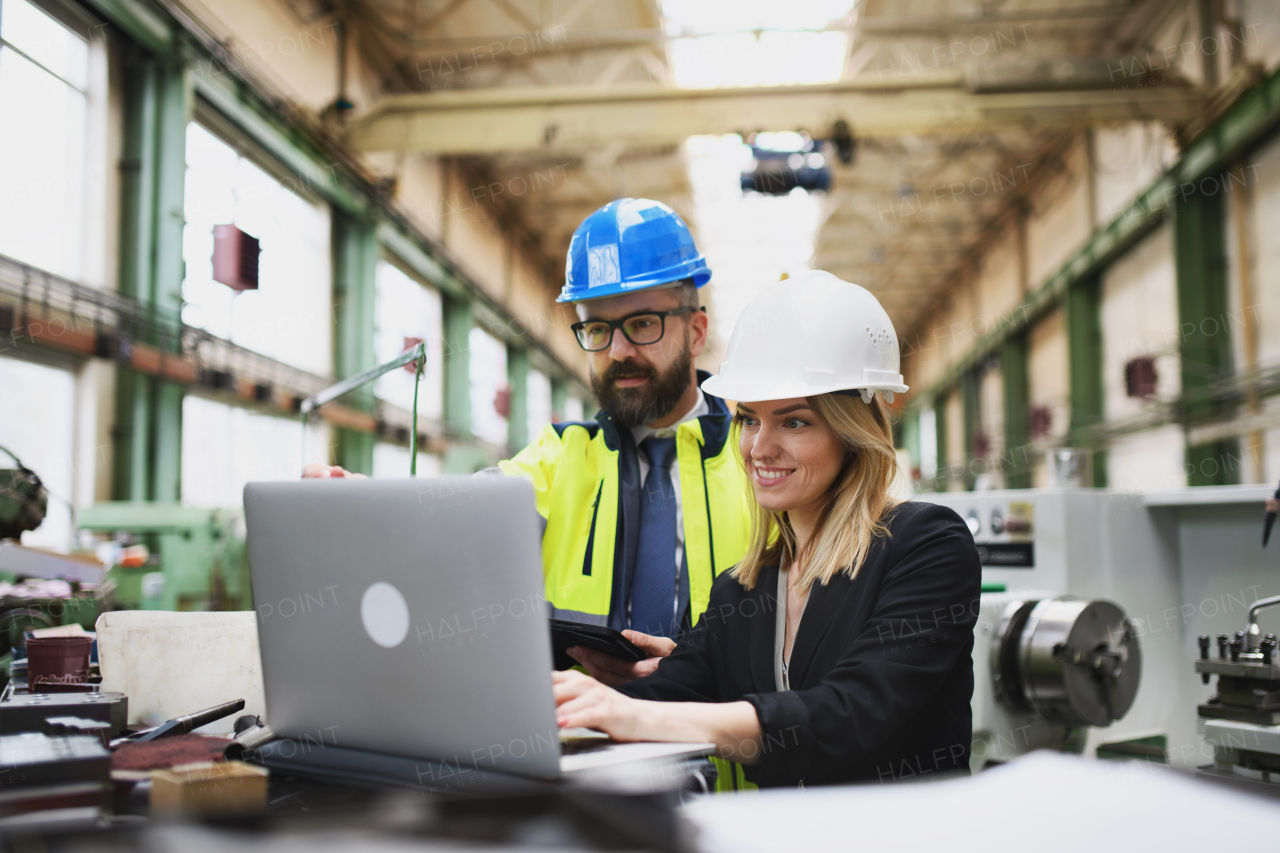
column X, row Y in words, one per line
column 768, row 477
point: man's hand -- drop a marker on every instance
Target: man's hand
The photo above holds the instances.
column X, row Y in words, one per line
column 583, row 701
column 316, row 471
column 1272, row 505
column 614, row 671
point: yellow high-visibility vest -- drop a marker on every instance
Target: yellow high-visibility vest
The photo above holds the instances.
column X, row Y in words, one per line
column 575, row 469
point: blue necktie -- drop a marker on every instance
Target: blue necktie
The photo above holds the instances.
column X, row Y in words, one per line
column 653, row 588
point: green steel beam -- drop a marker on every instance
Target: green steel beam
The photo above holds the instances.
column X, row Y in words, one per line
column 130, row 436
column 166, row 447
column 174, row 103
column 355, row 296
column 1016, row 463
column 230, row 97
column 518, row 378
column 457, row 365
column 559, row 398
column 137, row 21
column 407, row 249
column 971, row 406
column 1084, row 365
column 147, row 437
column 1247, row 123
column 911, row 440
column 942, row 477
column 1200, row 257
column 137, row 178
column 131, row 464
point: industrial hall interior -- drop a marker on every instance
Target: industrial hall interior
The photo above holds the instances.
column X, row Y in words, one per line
column 676, row 425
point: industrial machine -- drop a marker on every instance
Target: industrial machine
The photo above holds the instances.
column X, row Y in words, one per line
column 171, row 557
column 1242, row 718
column 1074, row 581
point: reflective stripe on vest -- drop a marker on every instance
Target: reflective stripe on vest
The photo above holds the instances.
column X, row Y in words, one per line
column 575, row 477
column 730, row 777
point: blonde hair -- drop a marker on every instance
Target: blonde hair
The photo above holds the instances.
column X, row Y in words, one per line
column 855, row 511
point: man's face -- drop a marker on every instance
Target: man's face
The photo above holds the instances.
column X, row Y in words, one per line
column 639, row 384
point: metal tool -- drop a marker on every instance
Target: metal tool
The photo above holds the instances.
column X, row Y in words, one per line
column 416, row 356
column 1242, row 718
column 1269, row 520
column 28, row 712
column 1252, row 632
column 184, row 724
column 196, row 562
column 1071, row 661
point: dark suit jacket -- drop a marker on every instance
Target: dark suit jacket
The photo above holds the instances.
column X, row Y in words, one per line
column 881, row 670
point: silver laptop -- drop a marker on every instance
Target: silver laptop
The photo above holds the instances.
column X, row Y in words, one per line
column 407, row 617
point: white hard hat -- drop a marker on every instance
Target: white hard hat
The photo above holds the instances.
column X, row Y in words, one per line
column 810, row 335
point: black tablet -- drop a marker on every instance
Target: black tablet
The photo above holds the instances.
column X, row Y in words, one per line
column 565, row 634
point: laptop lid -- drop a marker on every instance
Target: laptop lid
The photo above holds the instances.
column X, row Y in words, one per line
column 405, row 617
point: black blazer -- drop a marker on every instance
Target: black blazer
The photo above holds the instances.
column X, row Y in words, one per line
column 881, row 669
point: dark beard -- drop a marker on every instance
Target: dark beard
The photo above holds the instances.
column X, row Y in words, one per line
column 646, row 403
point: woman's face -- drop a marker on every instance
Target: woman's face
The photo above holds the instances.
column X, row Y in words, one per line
column 791, row 454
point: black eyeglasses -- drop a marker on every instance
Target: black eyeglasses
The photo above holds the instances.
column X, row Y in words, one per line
column 641, row 329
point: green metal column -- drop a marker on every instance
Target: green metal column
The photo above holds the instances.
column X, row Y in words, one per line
column 1017, row 412
column 911, row 441
column 1201, row 263
column 457, row 365
column 559, row 399
column 147, row 437
column 942, row 477
column 355, row 250
column 518, row 378
column 1084, row 360
column 971, row 405
column 176, row 105
column 131, row 434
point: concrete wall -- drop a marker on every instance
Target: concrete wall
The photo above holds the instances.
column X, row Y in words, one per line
column 991, row 419
column 1057, row 225
column 1254, row 295
column 1126, row 160
column 1097, row 178
column 1060, row 220
column 1002, row 285
column 1047, row 375
column 956, row 450
column 1140, row 320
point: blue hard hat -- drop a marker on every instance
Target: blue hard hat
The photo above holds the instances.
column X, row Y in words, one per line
column 630, row 244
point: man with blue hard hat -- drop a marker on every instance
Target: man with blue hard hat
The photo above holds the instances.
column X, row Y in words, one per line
column 646, row 504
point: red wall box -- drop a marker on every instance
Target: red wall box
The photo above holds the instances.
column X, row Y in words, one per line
column 235, row 258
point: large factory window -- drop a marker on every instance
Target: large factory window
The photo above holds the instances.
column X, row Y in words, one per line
column 488, row 376
column 224, row 447
column 575, row 409
column 755, row 44
column 391, row 462
column 44, row 70
column 539, row 390
column 39, row 411
column 288, row 317
column 407, row 312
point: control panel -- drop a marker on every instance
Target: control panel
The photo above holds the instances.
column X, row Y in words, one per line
column 1004, row 532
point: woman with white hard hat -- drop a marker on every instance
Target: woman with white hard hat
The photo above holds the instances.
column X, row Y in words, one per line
column 840, row 648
